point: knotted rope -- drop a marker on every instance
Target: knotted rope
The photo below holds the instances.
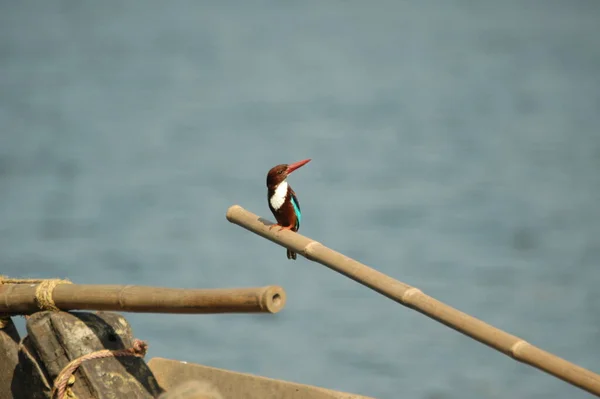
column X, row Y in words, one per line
column 43, row 293
column 138, row 349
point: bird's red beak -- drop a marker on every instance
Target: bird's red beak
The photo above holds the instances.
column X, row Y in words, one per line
column 292, row 167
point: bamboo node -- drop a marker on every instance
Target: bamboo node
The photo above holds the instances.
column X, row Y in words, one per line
column 409, row 294
column 517, row 348
column 122, row 293
column 309, row 249
column 63, row 379
column 43, row 294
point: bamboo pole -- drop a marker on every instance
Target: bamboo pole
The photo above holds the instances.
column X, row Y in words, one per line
column 414, row 298
column 26, row 299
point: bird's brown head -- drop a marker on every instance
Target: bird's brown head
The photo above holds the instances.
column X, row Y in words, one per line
column 279, row 173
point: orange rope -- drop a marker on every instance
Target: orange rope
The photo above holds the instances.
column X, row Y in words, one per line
column 138, row 349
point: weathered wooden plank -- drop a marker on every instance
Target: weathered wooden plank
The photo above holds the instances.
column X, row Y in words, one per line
column 30, row 380
column 192, row 390
column 9, row 356
column 59, row 337
column 231, row 384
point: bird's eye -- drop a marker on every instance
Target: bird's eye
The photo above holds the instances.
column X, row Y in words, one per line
column 280, row 172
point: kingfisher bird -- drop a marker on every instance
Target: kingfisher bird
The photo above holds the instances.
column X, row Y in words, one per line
column 283, row 202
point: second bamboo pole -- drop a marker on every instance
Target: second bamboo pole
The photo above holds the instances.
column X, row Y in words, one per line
column 25, row 299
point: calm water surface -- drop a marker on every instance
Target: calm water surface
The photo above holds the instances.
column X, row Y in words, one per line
column 455, row 146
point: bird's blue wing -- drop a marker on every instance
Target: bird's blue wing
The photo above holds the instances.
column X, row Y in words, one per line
column 296, row 205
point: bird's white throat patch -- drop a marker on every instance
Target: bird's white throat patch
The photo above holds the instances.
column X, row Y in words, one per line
column 278, row 197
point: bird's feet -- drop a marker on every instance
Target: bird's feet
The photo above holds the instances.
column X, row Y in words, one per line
column 280, row 227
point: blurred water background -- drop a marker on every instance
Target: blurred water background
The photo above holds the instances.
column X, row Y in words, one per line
column 455, row 146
